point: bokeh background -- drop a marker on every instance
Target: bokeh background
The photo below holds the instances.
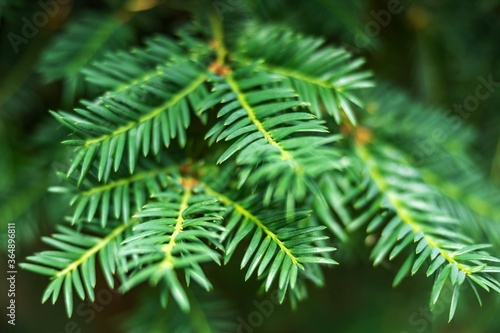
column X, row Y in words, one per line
column 435, row 50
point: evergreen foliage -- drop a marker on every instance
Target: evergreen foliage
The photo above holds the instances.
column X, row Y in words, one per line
column 251, row 141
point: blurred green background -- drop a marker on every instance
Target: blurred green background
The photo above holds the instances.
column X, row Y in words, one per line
column 435, row 50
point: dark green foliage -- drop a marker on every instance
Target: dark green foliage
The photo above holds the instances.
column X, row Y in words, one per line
column 85, row 40
column 232, row 140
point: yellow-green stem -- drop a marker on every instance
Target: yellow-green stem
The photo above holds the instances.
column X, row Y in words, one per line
column 253, row 117
column 128, row 180
column 218, row 35
column 153, row 113
column 243, row 211
column 96, row 248
column 167, row 248
column 402, row 212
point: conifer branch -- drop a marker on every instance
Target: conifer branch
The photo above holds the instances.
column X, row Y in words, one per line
column 254, row 219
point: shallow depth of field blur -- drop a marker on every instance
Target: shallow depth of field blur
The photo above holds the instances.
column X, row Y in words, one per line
column 436, row 50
